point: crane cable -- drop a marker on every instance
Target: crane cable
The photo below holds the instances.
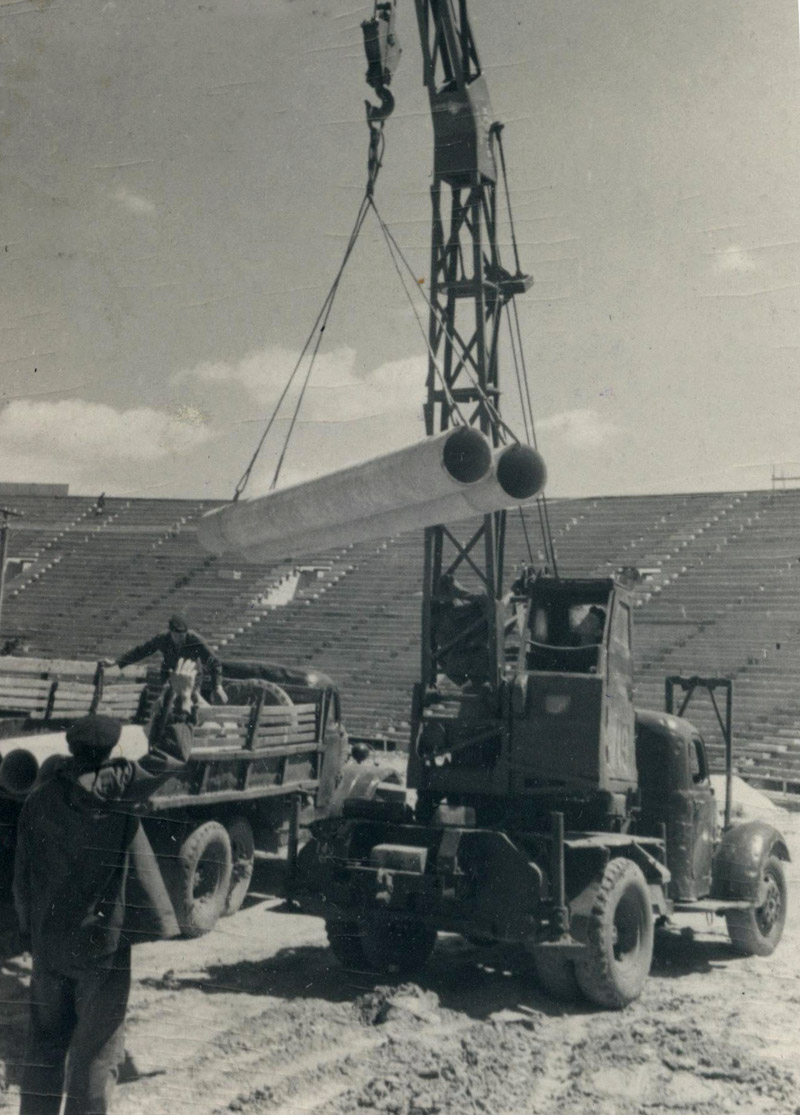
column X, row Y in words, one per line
column 375, row 160
column 521, row 376
column 529, row 436
column 395, row 253
column 499, row 423
column 322, row 317
column 521, row 372
column 374, row 163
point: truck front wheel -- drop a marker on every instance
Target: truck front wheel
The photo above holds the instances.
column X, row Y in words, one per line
column 757, row 931
column 397, row 946
column 612, row 969
column 203, row 878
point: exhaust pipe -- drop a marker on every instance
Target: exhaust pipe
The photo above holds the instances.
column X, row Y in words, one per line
column 18, row 771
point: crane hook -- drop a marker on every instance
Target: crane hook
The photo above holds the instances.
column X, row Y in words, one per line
column 383, row 54
column 377, row 113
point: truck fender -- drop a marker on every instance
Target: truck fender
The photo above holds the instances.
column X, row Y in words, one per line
column 740, row 857
column 656, row 876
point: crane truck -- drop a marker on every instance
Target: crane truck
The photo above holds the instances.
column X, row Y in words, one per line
column 541, row 808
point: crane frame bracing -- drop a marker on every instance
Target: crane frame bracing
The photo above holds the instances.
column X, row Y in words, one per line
column 468, row 290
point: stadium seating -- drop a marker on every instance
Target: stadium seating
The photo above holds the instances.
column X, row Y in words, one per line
column 719, row 593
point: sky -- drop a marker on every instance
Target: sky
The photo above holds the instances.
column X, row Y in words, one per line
column 178, row 182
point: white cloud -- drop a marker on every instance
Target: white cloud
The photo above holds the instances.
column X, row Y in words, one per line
column 135, row 203
column 734, row 259
column 73, row 436
column 338, row 391
column 581, row 428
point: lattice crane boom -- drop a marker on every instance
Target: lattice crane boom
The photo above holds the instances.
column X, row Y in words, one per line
column 468, row 285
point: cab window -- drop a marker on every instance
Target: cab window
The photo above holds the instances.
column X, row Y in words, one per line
column 697, row 760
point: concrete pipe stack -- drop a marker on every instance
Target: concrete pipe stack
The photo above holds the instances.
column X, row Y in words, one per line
column 450, row 476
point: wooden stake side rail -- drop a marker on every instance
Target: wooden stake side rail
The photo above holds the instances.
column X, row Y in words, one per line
column 249, row 730
column 229, row 745
column 61, row 689
column 242, row 753
column 240, row 714
column 239, row 752
column 67, row 667
column 307, row 748
column 220, row 797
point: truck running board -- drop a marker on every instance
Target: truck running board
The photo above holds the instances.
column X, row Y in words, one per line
column 709, row 906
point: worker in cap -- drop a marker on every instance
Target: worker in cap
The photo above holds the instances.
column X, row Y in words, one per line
column 79, row 847
column 177, row 642
column 94, row 736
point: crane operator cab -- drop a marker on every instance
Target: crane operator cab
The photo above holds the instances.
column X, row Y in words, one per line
column 566, row 637
column 560, row 727
column 572, row 718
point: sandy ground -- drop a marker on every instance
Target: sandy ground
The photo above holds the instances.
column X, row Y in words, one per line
column 259, row 1018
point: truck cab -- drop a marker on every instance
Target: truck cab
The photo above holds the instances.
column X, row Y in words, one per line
column 572, row 720
column 559, row 725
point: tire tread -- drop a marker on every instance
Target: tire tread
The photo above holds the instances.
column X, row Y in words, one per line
column 746, row 937
column 594, row 970
column 188, row 858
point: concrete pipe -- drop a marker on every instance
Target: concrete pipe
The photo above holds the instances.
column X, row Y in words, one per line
column 521, row 472
column 50, row 765
column 428, row 470
column 18, row 771
column 517, row 475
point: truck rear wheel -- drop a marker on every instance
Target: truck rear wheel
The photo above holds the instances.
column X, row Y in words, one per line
column 397, row 946
column 612, row 969
column 243, row 850
column 203, row 878
column 556, row 974
column 344, row 938
column 756, row 932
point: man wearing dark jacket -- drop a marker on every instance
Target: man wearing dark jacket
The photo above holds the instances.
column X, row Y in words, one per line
column 77, row 844
column 178, row 642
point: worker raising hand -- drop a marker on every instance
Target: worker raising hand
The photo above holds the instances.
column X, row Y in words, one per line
column 182, row 682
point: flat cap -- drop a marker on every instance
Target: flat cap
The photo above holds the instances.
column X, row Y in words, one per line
column 98, row 733
column 178, row 623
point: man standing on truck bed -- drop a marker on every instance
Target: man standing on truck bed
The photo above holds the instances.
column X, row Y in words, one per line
column 77, row 845
column 178, row 642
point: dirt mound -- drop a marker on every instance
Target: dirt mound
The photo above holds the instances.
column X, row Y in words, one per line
column 438, row 1062
column 673, row 1065
column 405, row 1004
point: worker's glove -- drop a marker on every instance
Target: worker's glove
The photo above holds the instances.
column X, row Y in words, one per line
column 222, row 696
column 108, row 662
column 182, row 681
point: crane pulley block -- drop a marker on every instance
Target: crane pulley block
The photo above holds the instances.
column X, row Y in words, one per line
column 380, row 44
